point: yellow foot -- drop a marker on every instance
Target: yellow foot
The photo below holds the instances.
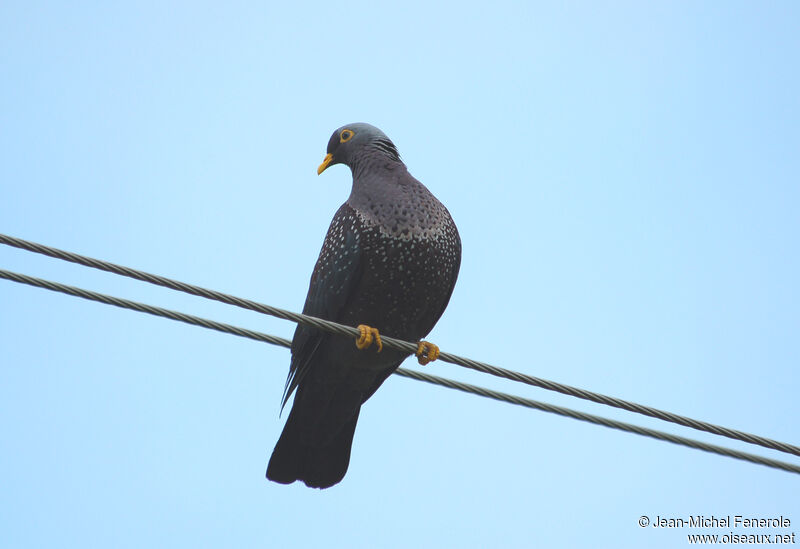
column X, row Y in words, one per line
column 427, row 352
column 367, row 336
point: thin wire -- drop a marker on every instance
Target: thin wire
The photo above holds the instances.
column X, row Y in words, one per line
column 340, row 329
column 467, row 388
column 144, row 308
column 597, row 420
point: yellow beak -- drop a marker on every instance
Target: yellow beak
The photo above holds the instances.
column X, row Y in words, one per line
column 325, row 163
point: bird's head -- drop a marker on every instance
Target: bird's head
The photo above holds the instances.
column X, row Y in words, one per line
column 350, row 141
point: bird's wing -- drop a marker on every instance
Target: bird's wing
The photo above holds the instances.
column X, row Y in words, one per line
column 452, row 276
column 333, row 284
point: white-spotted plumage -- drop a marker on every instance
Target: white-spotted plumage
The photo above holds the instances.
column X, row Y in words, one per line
column 390, row 260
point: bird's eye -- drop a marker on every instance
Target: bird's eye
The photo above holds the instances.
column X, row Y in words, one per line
column 345, row 136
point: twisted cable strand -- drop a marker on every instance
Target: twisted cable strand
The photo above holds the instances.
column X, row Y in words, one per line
column 597, row 420
column 340, row 329
column 413, row 374
column 420, row 376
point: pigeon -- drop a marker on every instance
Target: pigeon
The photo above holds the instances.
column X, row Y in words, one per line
column 388, row 265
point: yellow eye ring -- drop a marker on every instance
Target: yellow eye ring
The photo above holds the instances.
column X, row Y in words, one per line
column 346, row 136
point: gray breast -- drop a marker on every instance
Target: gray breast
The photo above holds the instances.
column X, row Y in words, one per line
column 412, row 252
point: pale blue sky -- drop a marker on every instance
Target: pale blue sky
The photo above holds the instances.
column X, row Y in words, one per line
column 626, row 180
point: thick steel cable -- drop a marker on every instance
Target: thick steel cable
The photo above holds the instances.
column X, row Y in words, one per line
column 413, row 374
column 340, row 329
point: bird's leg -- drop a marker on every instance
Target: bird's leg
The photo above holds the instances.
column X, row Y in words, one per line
column 367, row 335
column 427, row 352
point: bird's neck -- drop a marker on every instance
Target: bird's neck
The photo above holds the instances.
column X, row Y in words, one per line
column 375, row 165
column 388, row 197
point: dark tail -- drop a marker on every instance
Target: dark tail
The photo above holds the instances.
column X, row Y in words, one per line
column 315, row 443
column 320, row 462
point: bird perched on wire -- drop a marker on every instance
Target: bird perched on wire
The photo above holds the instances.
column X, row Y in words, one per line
column 388, row 265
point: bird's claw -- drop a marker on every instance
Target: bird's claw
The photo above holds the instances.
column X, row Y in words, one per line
column 368, row 334
column 427, row 352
